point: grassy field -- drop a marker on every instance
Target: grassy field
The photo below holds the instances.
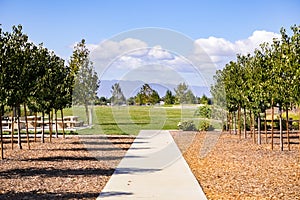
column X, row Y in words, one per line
column 129, row 120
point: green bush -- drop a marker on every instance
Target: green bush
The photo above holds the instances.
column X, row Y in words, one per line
column 204, row 125
column 187, row 125
column 204, row 111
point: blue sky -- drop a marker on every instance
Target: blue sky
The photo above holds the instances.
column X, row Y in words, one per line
column 61, row 23
column 221, row 29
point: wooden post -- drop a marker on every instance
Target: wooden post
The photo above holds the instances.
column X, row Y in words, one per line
column 272, row 127
column 26, row 124
column 280, row 127
column 56, row 126
column 266, row 130
column 1, row 134
column 254, row 128
column 50, row 127
column 35, row 125
column 229, row 124
column 62, row 120
column 43, row 128
column 12, row 129
column 245, row 123
column 235, row 123
column 258, row 129
column 239, row 122
column 287, row 127
column 19, row 128
column 251, row 130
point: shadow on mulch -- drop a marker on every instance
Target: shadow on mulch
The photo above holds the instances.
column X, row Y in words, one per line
column 42, row 195
column 52, row 172
column 62, row 158
column 88, row 148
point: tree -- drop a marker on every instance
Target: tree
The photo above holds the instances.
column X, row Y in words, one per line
column 86, row 81
column 17, row 70
column 101, row 101
column 2, row 88
column 169, row 98
column 267, row 79
column 204, row 111
column 204, row 99
column 180, row 93
column 147, row 95
column 190, row 97
column 131, row 101
column 118, row 97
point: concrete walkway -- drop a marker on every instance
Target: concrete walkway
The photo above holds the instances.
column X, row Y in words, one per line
column 153, row 168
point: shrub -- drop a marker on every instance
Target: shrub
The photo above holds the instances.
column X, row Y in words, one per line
column 187, row 125
column 204, row 111
column 204, row 125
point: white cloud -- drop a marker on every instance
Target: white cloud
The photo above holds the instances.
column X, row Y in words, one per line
column 157, row 52
column 109, row 49
column 117, row 58
column 222, row 51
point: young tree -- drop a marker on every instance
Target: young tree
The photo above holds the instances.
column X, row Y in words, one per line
column 180, row 93
column 169, row 98
column 190, row 97
column 86, row 81
column 18, row 68
column 2, row 88
column 118, row 97
column 204, row 99
column 147, row 95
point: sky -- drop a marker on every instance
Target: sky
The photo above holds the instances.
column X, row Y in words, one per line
column 153, row 40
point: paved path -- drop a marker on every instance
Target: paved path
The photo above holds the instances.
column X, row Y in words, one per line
column 153, row 168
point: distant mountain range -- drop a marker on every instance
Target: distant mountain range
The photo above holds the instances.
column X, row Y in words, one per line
column 131, row 88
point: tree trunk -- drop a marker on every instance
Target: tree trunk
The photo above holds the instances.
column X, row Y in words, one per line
column 280, row 129
column 239, row 122
column 287, row 127
column 87, row 113
column 299, row 130
column 26, row 124
column 258, row 129
column 266, row 130
column 1, row 133
column 35, row 125
column 50, row 127
column 251, row 131
column 235, row 132
column 245, row 123
column 230, row 122
column 63, row 122
column 227, row 120
column 43, row 128
column 56, row 127
column 272, row 127
column 12, row 128
column 19, row 128
column 254, row 137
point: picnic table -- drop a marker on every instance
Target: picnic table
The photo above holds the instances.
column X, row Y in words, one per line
column 70, row 122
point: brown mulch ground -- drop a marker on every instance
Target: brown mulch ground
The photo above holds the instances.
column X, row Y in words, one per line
column 78, row 168
column 63, row 169
column 230, row 168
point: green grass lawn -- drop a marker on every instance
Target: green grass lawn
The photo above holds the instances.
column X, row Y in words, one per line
column 129, row 120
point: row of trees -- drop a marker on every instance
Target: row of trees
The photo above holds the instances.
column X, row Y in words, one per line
column 31, row 76
column 254, row 83
column 35, row 78
column 148, row 96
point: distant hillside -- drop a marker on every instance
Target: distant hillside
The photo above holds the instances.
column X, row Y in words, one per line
column 131, row 88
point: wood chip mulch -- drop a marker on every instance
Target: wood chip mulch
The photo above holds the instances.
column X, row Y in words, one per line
column 70, row 168
column 232, row 168
column 79, row 167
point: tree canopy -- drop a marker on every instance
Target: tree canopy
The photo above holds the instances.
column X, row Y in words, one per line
column 268, row 78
